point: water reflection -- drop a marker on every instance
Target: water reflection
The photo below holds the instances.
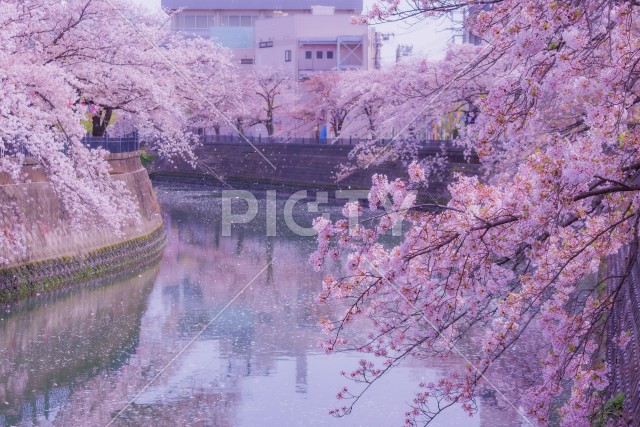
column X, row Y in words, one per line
column 48, row 347
column 80, row 358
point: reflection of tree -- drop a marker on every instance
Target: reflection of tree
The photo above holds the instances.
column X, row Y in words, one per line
column 274, row 319
column 202, row 408
column 217, row 231
column 239, row 241
column 277, row 310
column 269, row 256
column 301, row 373
column 52, row 344
column 268, row 321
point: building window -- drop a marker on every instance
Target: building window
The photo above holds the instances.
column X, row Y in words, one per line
column 202, row 21
column 329, row 54
column 246, row 61
column 190, row 21
column 266, row 44
column 319, row 54
column 287, row 56
column 238, row 20
column 193, row 22
column 308, row 54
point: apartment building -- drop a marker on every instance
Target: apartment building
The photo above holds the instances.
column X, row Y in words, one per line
column 304, row 36
column 311, row 43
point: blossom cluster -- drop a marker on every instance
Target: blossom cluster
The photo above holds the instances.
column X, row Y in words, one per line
column 67, row 67
column 553, row 107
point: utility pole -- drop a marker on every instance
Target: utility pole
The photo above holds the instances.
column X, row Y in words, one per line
column 380, row 37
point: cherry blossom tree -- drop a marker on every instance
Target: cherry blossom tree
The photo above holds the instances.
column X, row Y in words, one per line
column 68, row 62
column 367, row 92
column 380, row 103
column 247, row 111
column 271, row 86
column 323, row 101
column 212, row 89
column 554, row 105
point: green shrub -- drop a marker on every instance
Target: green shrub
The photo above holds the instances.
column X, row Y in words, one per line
column 612, row 410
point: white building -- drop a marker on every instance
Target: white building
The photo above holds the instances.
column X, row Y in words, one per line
column 299, row 35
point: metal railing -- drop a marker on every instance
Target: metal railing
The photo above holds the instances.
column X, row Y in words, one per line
column 237, row 139
column 123, row 144
column 12, row 150
column 131, row 142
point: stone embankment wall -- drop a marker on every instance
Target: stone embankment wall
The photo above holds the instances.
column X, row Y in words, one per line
column 299, row 166
column 625, row 363
column 58, row 254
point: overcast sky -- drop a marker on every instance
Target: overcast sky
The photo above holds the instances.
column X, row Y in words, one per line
column 429, row 38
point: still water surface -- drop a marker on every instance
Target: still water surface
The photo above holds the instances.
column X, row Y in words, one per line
column 78, row 358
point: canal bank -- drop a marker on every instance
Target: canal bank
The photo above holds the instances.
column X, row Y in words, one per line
column 57, row 254
column 310, row 167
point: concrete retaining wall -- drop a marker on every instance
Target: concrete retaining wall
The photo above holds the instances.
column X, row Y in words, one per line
column 38, row 277
column 304, row 166
column 58, row 254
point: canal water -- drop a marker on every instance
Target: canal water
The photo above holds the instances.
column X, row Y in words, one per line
column 142, row 343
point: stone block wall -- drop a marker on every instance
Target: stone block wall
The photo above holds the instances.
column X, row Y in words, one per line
column 37, row 277
column 297, row 165
column 624, row 363
column 58, row 254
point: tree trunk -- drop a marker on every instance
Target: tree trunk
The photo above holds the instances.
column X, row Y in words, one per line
column 338, row 124
column 240, row 126
column 269, row 123
column 100, row 124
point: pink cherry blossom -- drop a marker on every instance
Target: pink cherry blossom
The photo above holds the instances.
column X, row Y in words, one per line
column 552, row 105
column 68, row 62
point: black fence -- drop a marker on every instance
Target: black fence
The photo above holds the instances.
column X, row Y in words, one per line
column 12, row 150
column 123, row 144
column 131, row 142
column 237, row 139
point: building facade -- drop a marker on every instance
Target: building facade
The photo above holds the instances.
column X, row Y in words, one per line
column 298, row 35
